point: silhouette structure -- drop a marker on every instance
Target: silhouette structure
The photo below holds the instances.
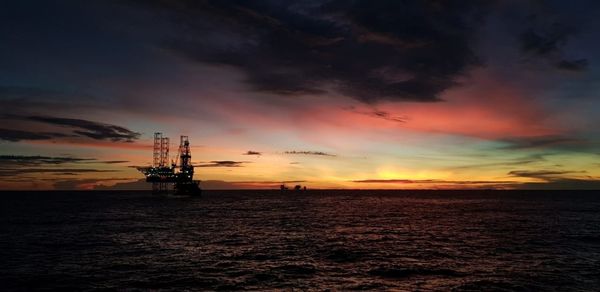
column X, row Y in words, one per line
column 297, row 188
column 162, row 176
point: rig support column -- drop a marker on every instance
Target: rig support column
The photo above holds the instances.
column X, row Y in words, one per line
column 160, row 162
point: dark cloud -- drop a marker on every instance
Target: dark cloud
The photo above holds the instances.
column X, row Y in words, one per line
column 223, row 163
column 94, row 130
column 574, row 65
column 428, row 181
column 315, row 153
column 37, row 160
column 22, row 173
column 544, row 44
column 542, row 142
column 290, row 181
column 57, row 170
column 380, row 114
column 23, row 168
column 554, row 183
column 518, row 161
column 369, row 50
column 546, row 38
column 26, row 103
column 79, row 128
column 387, row 116
column 29, row 160
column 17, row 135
column 562, row 184
column 272, row 182
column 392, row 181
column 250, row 152
column 548, row 175
column 557, row 180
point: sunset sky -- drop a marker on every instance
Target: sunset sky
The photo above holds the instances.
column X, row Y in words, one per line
column 327, row 94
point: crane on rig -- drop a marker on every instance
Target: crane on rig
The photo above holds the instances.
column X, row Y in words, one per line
column 179, row 174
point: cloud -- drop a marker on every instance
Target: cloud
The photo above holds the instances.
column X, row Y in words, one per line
column 392, row 181
column 439, row 183
column 37, row 160
column 29, row 160
column 37, row 168
column 544, row 44
column 574, row 65
column 94, row 130
column 546, row 41
column 542, row 142
column 547, row 175
column 53, row 170
column 31, row 174
column 563, row 184
column 387, row 116
column 223, row 163
column 79, row 128
column 519, row 161
column 315, row 153
column 552, row 181
column 427, row 181
column 556, row 180
column 380, row 114
column 250, row 152
column 371, row 51
column 17, row 135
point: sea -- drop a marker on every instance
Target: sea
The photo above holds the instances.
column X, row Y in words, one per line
column 321, row 240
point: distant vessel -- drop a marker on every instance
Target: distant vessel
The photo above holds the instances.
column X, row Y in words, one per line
column 162, row 176
column 297, row 188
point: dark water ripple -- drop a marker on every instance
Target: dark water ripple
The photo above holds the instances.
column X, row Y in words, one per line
column 340, row 240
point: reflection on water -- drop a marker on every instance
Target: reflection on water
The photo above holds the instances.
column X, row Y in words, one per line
column 234, row 240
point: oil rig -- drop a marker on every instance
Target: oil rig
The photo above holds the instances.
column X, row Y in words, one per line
column 164, row 173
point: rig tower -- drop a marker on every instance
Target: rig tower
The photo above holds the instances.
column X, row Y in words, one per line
column 160, row 164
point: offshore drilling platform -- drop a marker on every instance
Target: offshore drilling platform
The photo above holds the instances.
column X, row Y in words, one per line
column 163, row 173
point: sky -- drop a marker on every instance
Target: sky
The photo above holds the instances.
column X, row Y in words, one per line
column 327, row 94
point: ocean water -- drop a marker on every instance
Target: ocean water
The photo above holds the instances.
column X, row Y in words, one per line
column 316, row 240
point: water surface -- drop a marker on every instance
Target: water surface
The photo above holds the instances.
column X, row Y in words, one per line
column 343, row 240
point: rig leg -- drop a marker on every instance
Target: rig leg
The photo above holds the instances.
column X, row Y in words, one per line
column 160, row 187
